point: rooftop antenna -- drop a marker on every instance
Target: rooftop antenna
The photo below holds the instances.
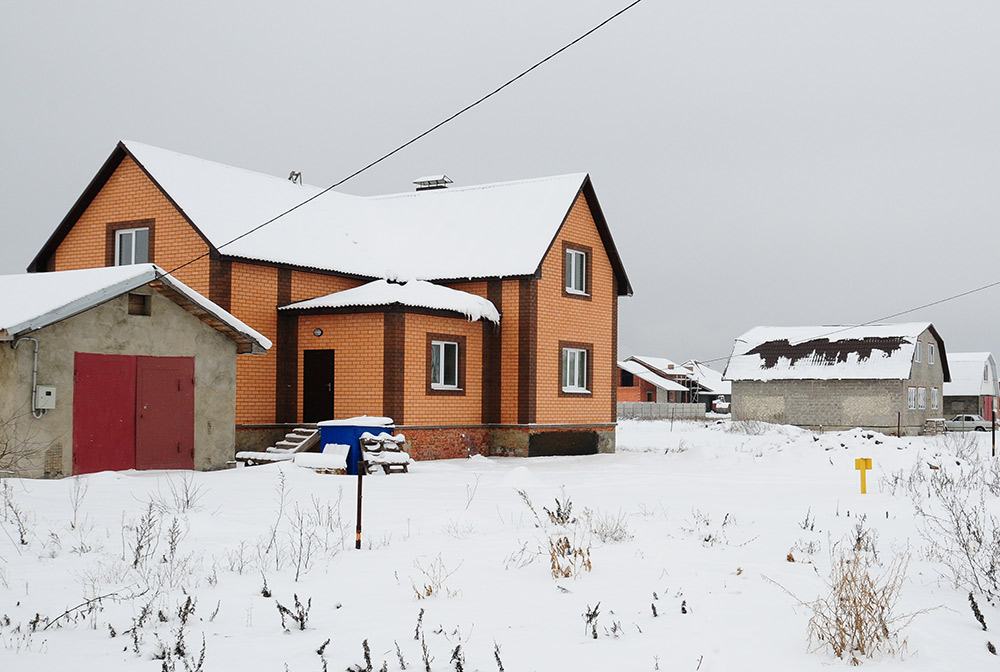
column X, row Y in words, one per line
column 295, row 177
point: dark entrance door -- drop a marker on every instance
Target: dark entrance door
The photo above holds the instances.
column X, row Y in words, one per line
column 317, row 385
column 103, row 413
column 164, row 413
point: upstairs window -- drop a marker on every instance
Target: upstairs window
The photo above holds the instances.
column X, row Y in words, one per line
column 444, row 365
column 930, row 353
column 576, row 271
column 574, row 370
column 131, row 246
column 916, row 352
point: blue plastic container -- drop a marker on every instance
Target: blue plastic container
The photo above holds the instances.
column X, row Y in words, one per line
column 348, row 432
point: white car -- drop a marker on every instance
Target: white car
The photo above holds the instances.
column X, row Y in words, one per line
column 967, row 423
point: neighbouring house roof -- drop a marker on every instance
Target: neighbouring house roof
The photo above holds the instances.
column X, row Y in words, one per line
column 967, row 369
column 31, row 301
column 661, row 365
column 708, row 378
column 413, row 294
column 640, row 371
column 878, row 351
column 485, row 231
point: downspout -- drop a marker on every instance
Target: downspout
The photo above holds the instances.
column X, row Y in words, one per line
column 35, row 412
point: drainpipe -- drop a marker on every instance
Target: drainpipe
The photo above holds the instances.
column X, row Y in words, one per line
column 35, row 412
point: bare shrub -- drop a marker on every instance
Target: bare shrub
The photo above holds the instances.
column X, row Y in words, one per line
column 299, row 616
column 956, row 524
column 858, row 617
column 568, row 557
column 435, row 575
column 608, row 527
column 748, row 427
column 19, row 447
column 182, row 495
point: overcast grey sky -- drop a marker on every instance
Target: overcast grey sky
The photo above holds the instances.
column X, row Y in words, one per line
column 779, row 162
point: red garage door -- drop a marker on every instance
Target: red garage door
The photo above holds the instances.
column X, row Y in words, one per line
column 164, row 413
column 132, row 412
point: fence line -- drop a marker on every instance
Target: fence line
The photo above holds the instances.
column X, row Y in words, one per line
column 651, row 410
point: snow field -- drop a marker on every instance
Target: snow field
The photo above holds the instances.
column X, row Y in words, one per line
column 708, row 511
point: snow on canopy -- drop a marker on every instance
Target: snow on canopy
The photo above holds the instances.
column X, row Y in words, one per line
column 880, row 351
column 30, row 301
column 415, row 293
column 640, row 371
column 491, row 230
column 972, row 374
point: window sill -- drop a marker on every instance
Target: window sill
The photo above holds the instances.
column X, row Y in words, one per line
column 575, row 390
column 575, row 292
column 446, row 388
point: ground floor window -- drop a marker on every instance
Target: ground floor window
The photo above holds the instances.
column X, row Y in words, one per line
column 445, row 364
column 921, row 398
column 911, row 398
column 574, row 370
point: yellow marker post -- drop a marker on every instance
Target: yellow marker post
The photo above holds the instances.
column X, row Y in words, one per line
column 863, row 464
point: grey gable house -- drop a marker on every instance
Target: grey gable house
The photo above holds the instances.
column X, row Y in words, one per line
column 116, row 368
column 884, row 377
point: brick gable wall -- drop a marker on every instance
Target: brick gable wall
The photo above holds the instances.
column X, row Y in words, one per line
column 579, row 322
column 130, row 196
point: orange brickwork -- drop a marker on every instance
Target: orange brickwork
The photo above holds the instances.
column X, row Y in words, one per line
column 422, row 408
column 522, row 360
column 130, row 196
column 254, row 299
column 509, row 351
column 578, row 320
column 356, row 340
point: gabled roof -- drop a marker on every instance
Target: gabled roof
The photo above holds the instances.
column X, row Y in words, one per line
column 643, row 373
column 413, row 294
column 32, row 301
column 660, row 365
column 879, row 351
column 708, row 378
column 967, row 375
column 484, row 231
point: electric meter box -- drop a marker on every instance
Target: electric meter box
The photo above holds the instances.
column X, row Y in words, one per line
column 45, row 397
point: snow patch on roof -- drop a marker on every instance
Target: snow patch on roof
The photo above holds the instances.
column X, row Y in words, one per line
column 415, row 293
column 882, row 351
column 31, row 301
column 973, row 374
column 492, row 230
column 640, row 371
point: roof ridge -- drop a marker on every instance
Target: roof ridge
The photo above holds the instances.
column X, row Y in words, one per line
column 477, row 187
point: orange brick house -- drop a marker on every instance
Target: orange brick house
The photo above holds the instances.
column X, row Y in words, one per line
column 480, row 319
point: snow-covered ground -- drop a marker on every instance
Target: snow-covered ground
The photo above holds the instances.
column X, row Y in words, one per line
column 712, row 526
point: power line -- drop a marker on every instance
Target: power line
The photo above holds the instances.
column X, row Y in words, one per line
column 421, row 135
column 886, row 317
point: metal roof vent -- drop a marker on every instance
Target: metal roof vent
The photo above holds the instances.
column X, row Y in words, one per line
column 432, row 182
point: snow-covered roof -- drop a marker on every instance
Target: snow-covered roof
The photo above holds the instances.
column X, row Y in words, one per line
column 31, row 301
column 708, row 378
column 880, row 351
column 972, row 374
column 415, row 293
column 640, row 371
column 661, row 364
column 491, row 230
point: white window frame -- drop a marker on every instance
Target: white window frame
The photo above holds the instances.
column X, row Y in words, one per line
column 438, row 381
column 930, row 353
column 574, row 370
column 911, row 398
column 576, row 274
column 119, row 237
column 916, row 353
column 934, row 398
column 922, row 398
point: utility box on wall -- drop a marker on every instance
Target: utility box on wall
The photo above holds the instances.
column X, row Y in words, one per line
column 45, row 397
